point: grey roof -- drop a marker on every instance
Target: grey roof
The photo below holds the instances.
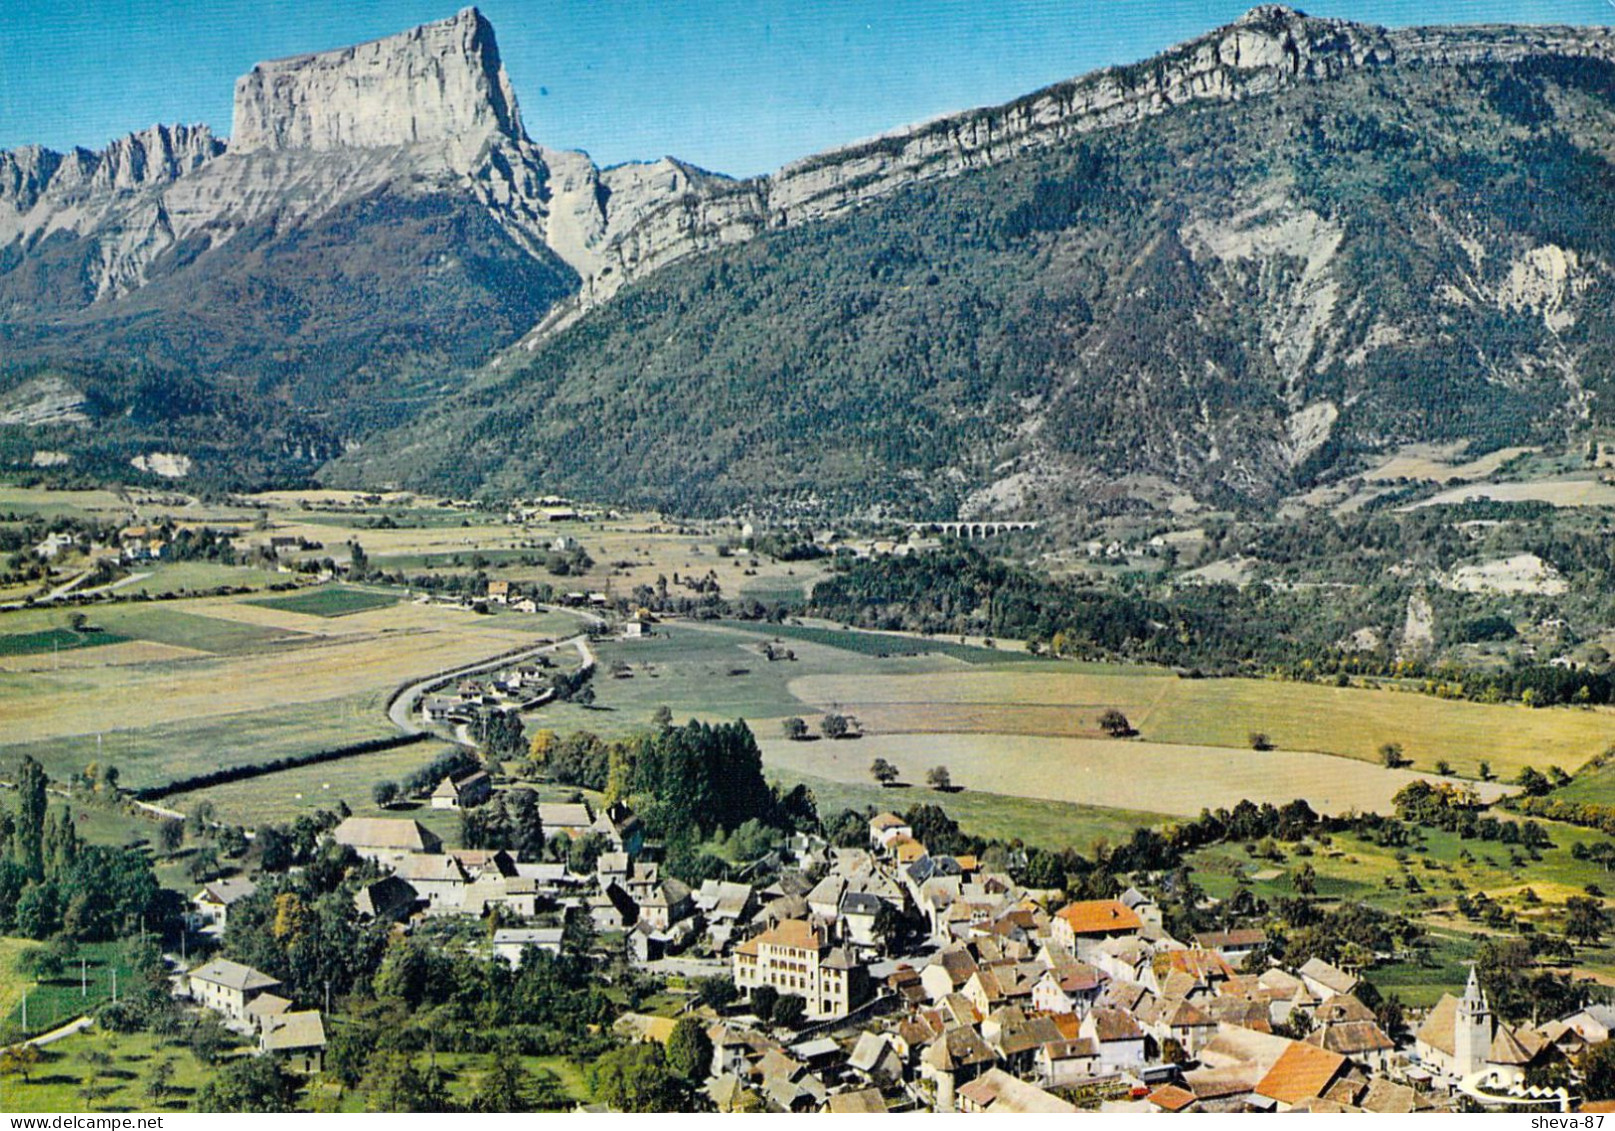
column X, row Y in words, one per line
column 303, row 1030
column 227, row 891
column 860, row 903
column 233, row 975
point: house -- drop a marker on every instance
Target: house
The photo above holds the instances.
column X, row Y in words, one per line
column 874, row 1058
column 1072, row 989
column 440, row 880
column 1233, row 947
column 471, row 790
column 1082, row 926
column 389, row 898
column 266, row 1005
column 1118, row 1038
column 297, row 1040
column 386, row 840
column 947, row 972
column 1361, row 1042
column 227, row 987
column 511, row 943
column 865, row 1101
column 857, row 915
column 613, row 909
column 996, row 1092
column 213, row 902
column 499, row 592
column 885, row 827
column 622, row 827
column 1326, row 981
column 1303, row 1072
column 796, row 957
column 1065, row 1063
column 1594, row 1025
column 954, row 1057
column 564, row 818
column 664, row 903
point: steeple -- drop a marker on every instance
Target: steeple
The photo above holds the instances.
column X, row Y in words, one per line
column 1472, row 1028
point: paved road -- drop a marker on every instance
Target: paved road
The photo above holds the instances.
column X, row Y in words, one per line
column 402, row 711
column 76, row 1026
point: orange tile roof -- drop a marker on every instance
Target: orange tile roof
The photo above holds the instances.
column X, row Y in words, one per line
column 908, row 850
column 1171, row 1098
column 1302, row 1072
column 796, row 933
column 1099, row 916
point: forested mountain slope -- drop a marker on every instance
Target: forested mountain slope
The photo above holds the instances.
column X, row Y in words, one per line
column 1223, row 301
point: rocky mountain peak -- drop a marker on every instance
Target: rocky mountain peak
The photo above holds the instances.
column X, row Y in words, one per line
column 440, row 82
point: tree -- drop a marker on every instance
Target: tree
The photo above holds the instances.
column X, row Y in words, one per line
column 540, row 746
column 162, row 1074
column 1114, row 723
column 1173, row 1052
column 249, row 1084
column 1444, row 768
column 635, row 1078
column 19, row 1060
column 937, row 777
column 1392, row 1016
column 1585, row 920
column 883, row 771
column 834, row 725
column 689, row 1051
column 1260, row 741
column 790, row 1011
column 505, row 1087
column 662, row 719
column 794, row 728
column 1597, row 1067
column 1485, row 771
column 1534, row 782
column 384, row 793
column 170, row 835
column 28, row 833
column 763, row 1001
column 1390, row 755
column 718, row 991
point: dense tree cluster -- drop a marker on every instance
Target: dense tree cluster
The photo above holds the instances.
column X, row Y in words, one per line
column 51, row 881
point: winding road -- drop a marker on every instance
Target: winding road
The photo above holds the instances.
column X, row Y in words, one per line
column 404, row 706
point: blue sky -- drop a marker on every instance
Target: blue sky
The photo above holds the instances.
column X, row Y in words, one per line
column 736, row 87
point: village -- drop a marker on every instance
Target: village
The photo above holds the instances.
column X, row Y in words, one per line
column 883, row 978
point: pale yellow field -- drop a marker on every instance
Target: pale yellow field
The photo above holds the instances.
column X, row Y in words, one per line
column 127, row 653
column 1435, row 464
column 1582, row 492
column 1154, row 777
column 1351, row 722
column 367, row 651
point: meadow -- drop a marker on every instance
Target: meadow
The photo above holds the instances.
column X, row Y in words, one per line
column 282, row 796
column 329, row 601
column 1033, row 821
column 72, row 1077
column 1351, row 722
column 59, row 1000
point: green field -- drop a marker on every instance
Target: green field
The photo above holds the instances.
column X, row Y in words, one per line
column 69, row 1079
column 1045, row 824
column 54, row 640
column 1595, row 784
column 1422, row 881
column 161, row 622
column 151, row 756
column 192, row 577
column 885, row 644
column 283, row 796
column 54, row 1002
column 329, row 601
column 713, row 673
